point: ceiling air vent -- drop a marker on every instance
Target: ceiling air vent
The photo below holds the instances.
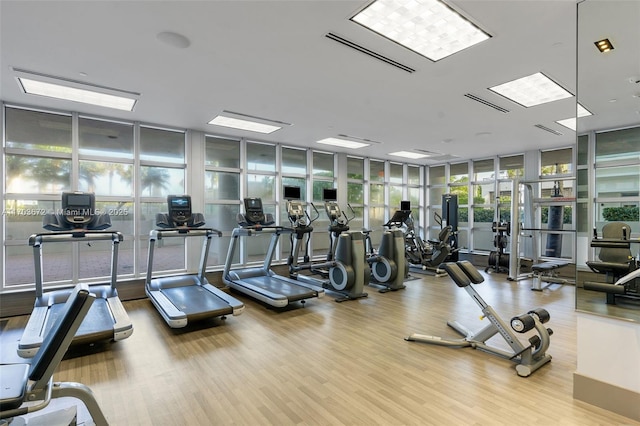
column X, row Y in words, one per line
column 486, row 102
column 357, row 138
column 366, row 51
column 546, row 129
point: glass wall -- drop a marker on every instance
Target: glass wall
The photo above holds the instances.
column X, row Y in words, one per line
column 617, row 177
column 483, row 204
column 133, row 167
column 221, row 192
column 323, row 176
column 376, row 203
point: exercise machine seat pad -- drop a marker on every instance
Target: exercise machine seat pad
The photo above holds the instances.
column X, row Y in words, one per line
column 455, row 272
column 471, row 271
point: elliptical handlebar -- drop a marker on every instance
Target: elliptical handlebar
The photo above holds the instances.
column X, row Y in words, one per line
column 317, row 213
column 353, row 212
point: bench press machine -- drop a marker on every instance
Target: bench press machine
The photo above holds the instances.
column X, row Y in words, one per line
column 528, row 357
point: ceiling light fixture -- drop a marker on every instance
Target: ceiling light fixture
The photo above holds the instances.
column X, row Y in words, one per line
column 604, row 45
column 343, row 143
column 430, row 28
column 409, row 154
column 570, row 123
column 33, row 83
column 251, row 123
column 532, row 90
column 250, row 126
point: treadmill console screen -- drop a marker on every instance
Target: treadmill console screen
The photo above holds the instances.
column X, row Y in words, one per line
column 254, row 211
column 78, row 207
column 179, row 208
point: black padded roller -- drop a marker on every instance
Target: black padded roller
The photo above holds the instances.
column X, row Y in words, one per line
column 542, row 314
column 522, row 323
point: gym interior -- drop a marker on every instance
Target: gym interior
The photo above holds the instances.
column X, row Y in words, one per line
column 296, row 213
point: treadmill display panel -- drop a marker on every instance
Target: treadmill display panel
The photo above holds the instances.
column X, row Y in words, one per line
column 179, row 208
column 253, row 207
column 78, row 207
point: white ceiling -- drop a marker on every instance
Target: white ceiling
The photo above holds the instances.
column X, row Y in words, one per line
column 271, row 59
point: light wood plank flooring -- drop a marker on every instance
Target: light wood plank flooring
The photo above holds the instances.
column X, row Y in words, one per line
column 336, row 363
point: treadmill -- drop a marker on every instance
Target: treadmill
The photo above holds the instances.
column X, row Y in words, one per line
column 107, row 318
column 262, row 283
column 186, row 298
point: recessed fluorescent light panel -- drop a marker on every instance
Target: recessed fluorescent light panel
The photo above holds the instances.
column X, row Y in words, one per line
column 69, row 91
column 343, row 143
column 409, row 154
column 251, row 126
column 571, row 122
column 532, row 90
column 428, row 27
column 604, row 45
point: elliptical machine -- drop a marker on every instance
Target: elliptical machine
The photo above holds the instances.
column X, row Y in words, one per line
column 348, row 271
column 427, row 256
column 388, row 264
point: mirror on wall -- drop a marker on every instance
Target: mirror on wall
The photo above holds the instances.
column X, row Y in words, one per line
column 608, row 158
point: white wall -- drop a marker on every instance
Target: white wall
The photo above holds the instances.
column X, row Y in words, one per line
column 608, row 350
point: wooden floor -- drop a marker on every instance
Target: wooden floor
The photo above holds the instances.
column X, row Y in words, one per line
column 336, row 363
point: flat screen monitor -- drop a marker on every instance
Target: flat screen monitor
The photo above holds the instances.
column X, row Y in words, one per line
column 405, row 205
column 292, row 193
column 329, row 194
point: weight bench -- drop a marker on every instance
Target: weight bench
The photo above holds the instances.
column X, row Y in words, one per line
column 26, row 388
column 547, row 272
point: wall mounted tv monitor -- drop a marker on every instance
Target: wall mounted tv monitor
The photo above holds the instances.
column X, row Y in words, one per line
column 405, row 205
column 329, row 194
column 292, row 192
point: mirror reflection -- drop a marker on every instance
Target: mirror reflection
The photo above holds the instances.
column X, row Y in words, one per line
column 608, row 159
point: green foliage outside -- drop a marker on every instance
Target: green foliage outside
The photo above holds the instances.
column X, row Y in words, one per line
column 623, row 214
column 566, row 217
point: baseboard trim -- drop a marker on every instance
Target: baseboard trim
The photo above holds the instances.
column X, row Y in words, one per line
column 604, row 395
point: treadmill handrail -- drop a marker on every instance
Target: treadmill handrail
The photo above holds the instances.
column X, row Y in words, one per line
column 158, row 234
column 269, row 229
column 75, row 235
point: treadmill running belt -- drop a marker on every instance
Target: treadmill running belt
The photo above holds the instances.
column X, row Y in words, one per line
column 97, row 325
column 194, row 300
column 292, row 292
